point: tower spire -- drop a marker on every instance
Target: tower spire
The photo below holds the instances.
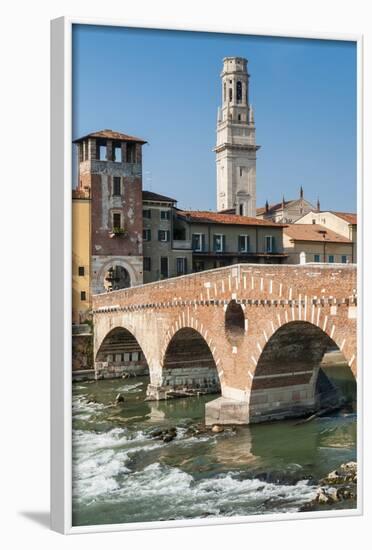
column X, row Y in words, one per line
column 301, row 192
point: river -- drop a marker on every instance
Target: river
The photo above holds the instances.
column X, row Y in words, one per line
column 122, row 475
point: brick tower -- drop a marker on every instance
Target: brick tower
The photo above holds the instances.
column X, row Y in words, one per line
column 236, row 141
column 110, row 177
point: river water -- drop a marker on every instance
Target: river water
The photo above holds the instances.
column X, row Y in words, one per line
column 121, row 474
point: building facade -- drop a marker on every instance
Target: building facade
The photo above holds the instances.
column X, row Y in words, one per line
column 286, row 211
column 343, row 223
column 110, row 175
column 81, row 248
column 166, row 253
column 219, row 240
column 304, row 243
column 236, row 141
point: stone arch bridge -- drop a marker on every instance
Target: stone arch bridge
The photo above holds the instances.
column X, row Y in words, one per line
column 256, row 333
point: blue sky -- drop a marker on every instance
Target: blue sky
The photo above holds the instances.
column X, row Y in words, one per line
column 164, row 86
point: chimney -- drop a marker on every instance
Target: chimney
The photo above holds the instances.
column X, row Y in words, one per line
column 301, row 192
column 266, row 206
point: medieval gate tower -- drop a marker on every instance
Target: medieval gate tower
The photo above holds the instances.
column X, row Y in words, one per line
column 236, row 141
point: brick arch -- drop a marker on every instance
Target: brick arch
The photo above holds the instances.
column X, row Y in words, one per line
column 188, row 320
column 131, row 329
column 321, row 323
column 172, row 356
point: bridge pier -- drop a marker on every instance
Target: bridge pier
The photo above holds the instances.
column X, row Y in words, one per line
column 276, row 402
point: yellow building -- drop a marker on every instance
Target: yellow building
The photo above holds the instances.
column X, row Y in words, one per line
column 81, row 233
column 304, row 243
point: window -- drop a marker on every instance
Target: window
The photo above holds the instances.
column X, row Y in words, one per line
column 331, row 259
column 239, row 92
column 230, row 94
column 81, row 271
column 116, row 152
column 198, row 242
column 146, row 235
column 163, row 236
column 146, row 264
column 239, row 117
column 117, row 186
column 131, row 152
column 181, row 266
column 313, row 221
column 269, row 243
column 83, row 295
column 102, row 152
column 344, row 259
column 116, row 220
column 316, row 257
column 218, row 243
column 224, row 91
column 147, row 213
column 164, row 267
column 164, row 214
column 241, row 209
column 243, row 243
column 241, row 171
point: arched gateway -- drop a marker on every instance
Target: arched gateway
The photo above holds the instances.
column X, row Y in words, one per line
column 259, row 331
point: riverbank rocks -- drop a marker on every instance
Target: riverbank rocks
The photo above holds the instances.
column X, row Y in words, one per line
column 167, row 435
column 338, row 486
column 217, row 428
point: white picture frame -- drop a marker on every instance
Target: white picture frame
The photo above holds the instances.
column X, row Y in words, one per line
column 61, row 277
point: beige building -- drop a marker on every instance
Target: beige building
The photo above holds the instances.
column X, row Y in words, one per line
column 343, row 223
column 219, row 240
column 304, row 243
column 166, row 251
column 81, row 243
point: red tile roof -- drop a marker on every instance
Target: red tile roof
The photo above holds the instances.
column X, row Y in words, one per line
column 110, row 134
column 313, row 232
column 227, row 219
column 150, row 196
column 349, row 217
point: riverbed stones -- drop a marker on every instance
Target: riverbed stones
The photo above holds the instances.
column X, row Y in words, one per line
column 339, row 485
column 217, row 428
column 119, row 398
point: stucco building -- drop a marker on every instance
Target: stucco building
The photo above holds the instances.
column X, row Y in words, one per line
column 304, row 243
column 219, row 240
column 343, row 223
column 166, row 251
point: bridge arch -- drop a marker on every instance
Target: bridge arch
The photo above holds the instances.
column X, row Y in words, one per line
column 189, row 364
column 119, row 352
column 288, row 376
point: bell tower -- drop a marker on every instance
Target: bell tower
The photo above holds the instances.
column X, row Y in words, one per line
column 236, row 141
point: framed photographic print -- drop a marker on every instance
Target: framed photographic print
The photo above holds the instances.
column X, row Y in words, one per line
column 206, row 274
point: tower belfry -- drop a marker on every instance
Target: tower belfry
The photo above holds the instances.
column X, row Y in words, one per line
column 236, row 141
